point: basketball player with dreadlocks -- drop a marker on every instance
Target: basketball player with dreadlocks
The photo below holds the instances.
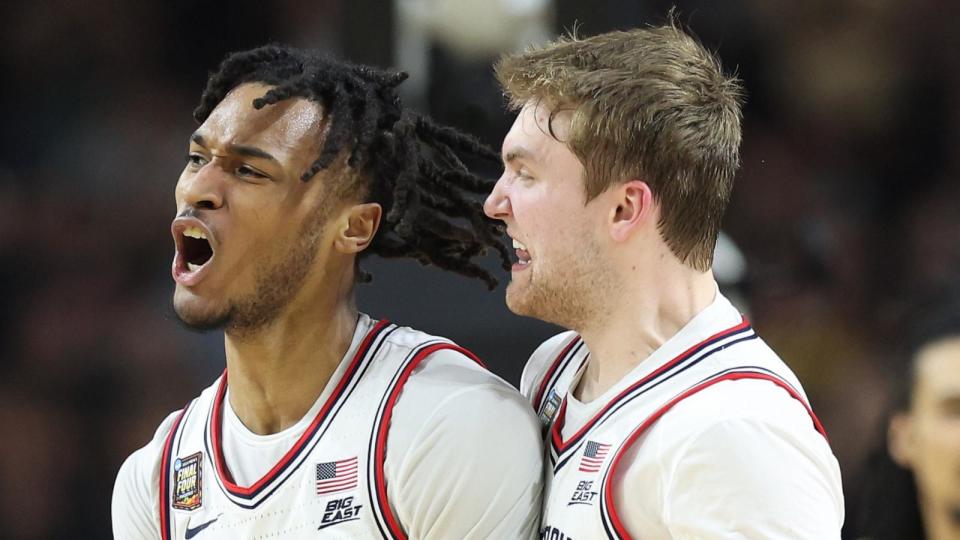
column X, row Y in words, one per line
column 668, row 417
column 327, row 422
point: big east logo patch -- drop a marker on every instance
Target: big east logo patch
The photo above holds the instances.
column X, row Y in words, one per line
column 339, row 511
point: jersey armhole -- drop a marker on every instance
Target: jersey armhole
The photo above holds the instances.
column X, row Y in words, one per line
column 391, row 525
column 612, row 522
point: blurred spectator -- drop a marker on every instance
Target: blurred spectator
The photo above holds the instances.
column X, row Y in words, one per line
column 913, row 481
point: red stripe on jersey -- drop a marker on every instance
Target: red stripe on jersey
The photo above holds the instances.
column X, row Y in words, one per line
column 381, row 449
column 165, row 533
column 537, row 404
column 216, row 423
column 608, row 479
column 557, row 427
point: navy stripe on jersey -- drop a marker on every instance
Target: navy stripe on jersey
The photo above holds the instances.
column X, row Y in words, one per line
column 382, row 514
column 560, row 458
column 387, row 522
column 186, row 419
column 166, row 459
column 368, row 349
column 253, row 496
column 612, row 524
column 366, row 364
column 752, row 369
column 378, row 512
column 557, row 368
column 561, row 451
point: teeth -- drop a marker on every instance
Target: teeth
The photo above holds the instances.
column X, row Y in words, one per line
column 195, row 232
column 193, row 267
column 518, row 245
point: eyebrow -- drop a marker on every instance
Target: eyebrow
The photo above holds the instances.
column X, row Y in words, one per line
column 518, row 153
column 239, row 149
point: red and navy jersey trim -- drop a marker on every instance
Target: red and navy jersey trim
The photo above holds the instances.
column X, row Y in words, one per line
column 612, row 523
column 166, row 460
column 557, row 368
column 387, row 521
column 253, row 495
column 562, row 451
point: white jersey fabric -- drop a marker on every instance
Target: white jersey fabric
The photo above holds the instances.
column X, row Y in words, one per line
column 711, row 437
column 411, row 438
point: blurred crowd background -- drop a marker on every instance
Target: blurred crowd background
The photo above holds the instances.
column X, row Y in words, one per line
column 845, row 211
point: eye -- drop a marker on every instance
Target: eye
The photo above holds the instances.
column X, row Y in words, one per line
column 195, row 160
column 246, row 171
column 523, row 174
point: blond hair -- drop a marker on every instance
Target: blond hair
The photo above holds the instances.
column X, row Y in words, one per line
column 649, row 103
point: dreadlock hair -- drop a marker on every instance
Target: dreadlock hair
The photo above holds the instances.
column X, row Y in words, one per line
column 413, row 167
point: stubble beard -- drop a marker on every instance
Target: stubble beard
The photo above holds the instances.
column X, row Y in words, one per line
column 276, row 283
column 570, row 298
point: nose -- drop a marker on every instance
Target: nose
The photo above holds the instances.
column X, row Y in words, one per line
column 202, row 188
column 497, row 205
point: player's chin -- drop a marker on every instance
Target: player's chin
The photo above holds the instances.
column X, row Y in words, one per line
column 198, row 313
column 533, row 300
column 519, row 300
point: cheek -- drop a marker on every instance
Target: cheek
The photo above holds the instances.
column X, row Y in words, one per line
column 940, row 439
column 261, row 216
column 552, row 219
column 950, row 436
column 544, row 214
column 253, row 242
column 562, row 247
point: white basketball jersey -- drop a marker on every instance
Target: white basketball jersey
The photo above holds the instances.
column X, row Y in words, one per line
column 332, row 478
column 585, row 466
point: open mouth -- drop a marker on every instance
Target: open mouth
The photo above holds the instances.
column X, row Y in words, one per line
column 196, row 248
column 523, row 256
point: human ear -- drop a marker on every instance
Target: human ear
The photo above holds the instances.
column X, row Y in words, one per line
column 901, row 441
column 358, row 227
column 632, row 205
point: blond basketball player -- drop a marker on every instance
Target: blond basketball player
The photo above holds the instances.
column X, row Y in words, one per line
column 667, row 417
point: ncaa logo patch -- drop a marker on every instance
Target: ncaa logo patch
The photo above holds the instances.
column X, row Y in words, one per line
column 188, row 472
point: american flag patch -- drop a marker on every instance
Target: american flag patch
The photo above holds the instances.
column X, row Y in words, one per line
column 593, row 456
column 334, row 476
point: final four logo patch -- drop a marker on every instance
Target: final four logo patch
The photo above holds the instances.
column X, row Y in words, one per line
column 550, row 407
column 188, row 472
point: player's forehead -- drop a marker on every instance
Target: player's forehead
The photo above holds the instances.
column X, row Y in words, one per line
column 288, row 126
column 538, row 132
column 938, row 368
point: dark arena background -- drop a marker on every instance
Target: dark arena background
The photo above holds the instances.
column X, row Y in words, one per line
column 845, row 216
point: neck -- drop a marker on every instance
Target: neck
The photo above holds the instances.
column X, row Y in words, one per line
column 276, row 374
column 649, row 308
